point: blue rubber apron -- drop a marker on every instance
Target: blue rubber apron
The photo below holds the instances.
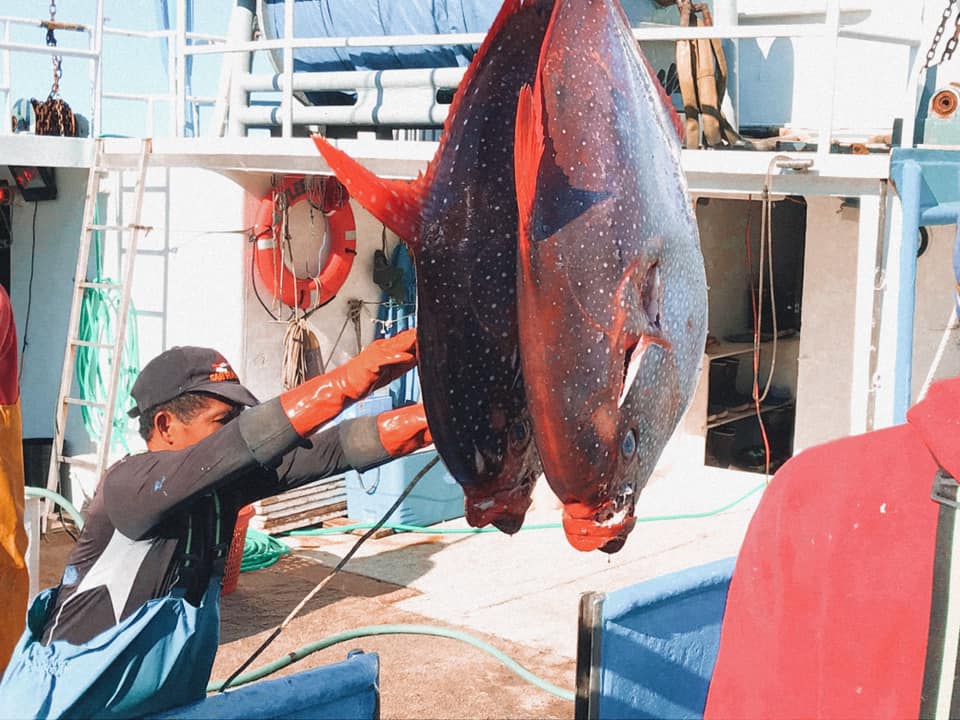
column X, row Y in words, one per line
column 158, row 658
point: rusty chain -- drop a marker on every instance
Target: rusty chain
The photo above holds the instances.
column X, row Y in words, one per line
column 951, row 44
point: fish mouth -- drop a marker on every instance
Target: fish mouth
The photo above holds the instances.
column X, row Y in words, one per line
column 603, row 527
column 504, row 509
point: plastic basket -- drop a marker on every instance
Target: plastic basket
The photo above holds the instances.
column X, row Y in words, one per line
column 235, row 556
column 437, row 497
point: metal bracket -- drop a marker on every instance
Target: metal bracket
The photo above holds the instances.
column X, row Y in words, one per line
column 945, row 489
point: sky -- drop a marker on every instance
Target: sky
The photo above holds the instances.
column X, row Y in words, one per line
column 130, row 64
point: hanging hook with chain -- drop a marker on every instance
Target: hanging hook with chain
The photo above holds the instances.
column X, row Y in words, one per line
column 57, row 59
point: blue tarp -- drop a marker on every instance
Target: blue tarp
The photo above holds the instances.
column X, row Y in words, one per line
column 362, row 18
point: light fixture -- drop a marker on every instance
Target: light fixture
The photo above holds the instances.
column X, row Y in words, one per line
column 6, row 194
column 35, row 183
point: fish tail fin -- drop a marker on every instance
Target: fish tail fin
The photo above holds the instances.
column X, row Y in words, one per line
column 398, row 204
column 528, row 150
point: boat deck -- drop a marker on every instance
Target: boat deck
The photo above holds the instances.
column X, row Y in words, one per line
column 520, row 594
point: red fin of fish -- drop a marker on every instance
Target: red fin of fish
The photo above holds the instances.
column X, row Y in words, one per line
column 396, row 203
column 528, row 149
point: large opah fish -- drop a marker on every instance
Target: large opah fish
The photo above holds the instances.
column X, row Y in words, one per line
column 612, row 299
column 460, row 222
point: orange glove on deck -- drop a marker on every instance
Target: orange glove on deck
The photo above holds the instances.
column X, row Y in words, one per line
column 310, row 405
column 403, row 430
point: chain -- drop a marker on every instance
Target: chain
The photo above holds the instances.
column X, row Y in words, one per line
column 947, row 12
column 58, row 60
column 952, row 42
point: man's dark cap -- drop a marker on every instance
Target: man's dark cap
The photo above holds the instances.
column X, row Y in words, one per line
column 184, row 369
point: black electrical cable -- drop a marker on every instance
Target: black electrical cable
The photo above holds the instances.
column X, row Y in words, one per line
column 26, row 322
column 343, row 561
column 253, row 280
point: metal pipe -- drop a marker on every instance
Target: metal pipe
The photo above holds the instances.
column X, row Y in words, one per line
column 942, row 214
column 397, row 114
column 286, row 102
column 96, row 71
column 906, row 291
column 34, row 22
column 7, row 99
column 646, row 32
column 357, row 79
column 181, row 65
column 241, row 28
column 724, row 17
column 881, row 254
column 831, row 40
column 45, row 50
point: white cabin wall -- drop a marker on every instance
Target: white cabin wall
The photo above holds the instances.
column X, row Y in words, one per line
column 53, row 258
column 826, row 338
column 191, row 286
column 187, row 287
column 188, row 276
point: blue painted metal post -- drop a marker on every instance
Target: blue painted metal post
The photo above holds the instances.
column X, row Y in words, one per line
column 906, row 297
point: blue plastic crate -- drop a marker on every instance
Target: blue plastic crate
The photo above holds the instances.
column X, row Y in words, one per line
column 370, row 405
column 437, row 496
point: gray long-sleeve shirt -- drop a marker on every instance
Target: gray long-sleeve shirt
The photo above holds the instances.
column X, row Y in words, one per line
column 134, row 545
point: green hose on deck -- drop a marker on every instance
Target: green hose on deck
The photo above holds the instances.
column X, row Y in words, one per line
column 370, row 630
column 261, row 550
column 401, row 527
column 59, row 499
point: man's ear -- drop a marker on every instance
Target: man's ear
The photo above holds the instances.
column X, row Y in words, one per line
column 162, row 426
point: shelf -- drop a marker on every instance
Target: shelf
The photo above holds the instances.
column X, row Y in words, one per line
column 752, row 412
column 726, row 349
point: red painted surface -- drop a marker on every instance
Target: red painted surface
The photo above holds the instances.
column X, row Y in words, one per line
column 829, row 606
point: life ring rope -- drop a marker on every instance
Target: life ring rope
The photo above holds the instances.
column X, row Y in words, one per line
column 270, row 232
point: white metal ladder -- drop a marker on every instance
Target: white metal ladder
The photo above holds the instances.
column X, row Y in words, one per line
column 98, row 171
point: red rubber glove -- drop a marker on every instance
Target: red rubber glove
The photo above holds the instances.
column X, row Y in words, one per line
column 310, row 405
column 403, row 430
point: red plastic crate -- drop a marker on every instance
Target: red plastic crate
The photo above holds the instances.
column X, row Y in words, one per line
column 235, row 555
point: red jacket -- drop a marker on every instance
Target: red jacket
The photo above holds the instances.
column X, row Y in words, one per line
column 829, row 606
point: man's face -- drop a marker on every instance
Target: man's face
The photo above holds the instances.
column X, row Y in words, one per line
column 172, row 433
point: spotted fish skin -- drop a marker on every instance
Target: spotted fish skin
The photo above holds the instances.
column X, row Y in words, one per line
column 612, row 301
column 460, row 221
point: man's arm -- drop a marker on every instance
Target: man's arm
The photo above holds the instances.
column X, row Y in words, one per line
column 356, row 444
column 139, row 491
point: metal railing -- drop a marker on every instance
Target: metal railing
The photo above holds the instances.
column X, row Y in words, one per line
column 175, row 98
column 397, row 97
column 407, row 97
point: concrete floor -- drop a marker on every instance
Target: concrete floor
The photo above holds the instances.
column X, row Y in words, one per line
column 526, row 587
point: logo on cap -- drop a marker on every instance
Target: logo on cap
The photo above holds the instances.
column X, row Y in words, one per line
column 222, row 372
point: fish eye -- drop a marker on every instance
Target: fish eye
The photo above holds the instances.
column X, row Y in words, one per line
column 629, row 445
column 518, row 434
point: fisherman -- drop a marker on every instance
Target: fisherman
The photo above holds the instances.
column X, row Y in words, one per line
column 838, row 602
column 14, row 582
column 133, row 627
